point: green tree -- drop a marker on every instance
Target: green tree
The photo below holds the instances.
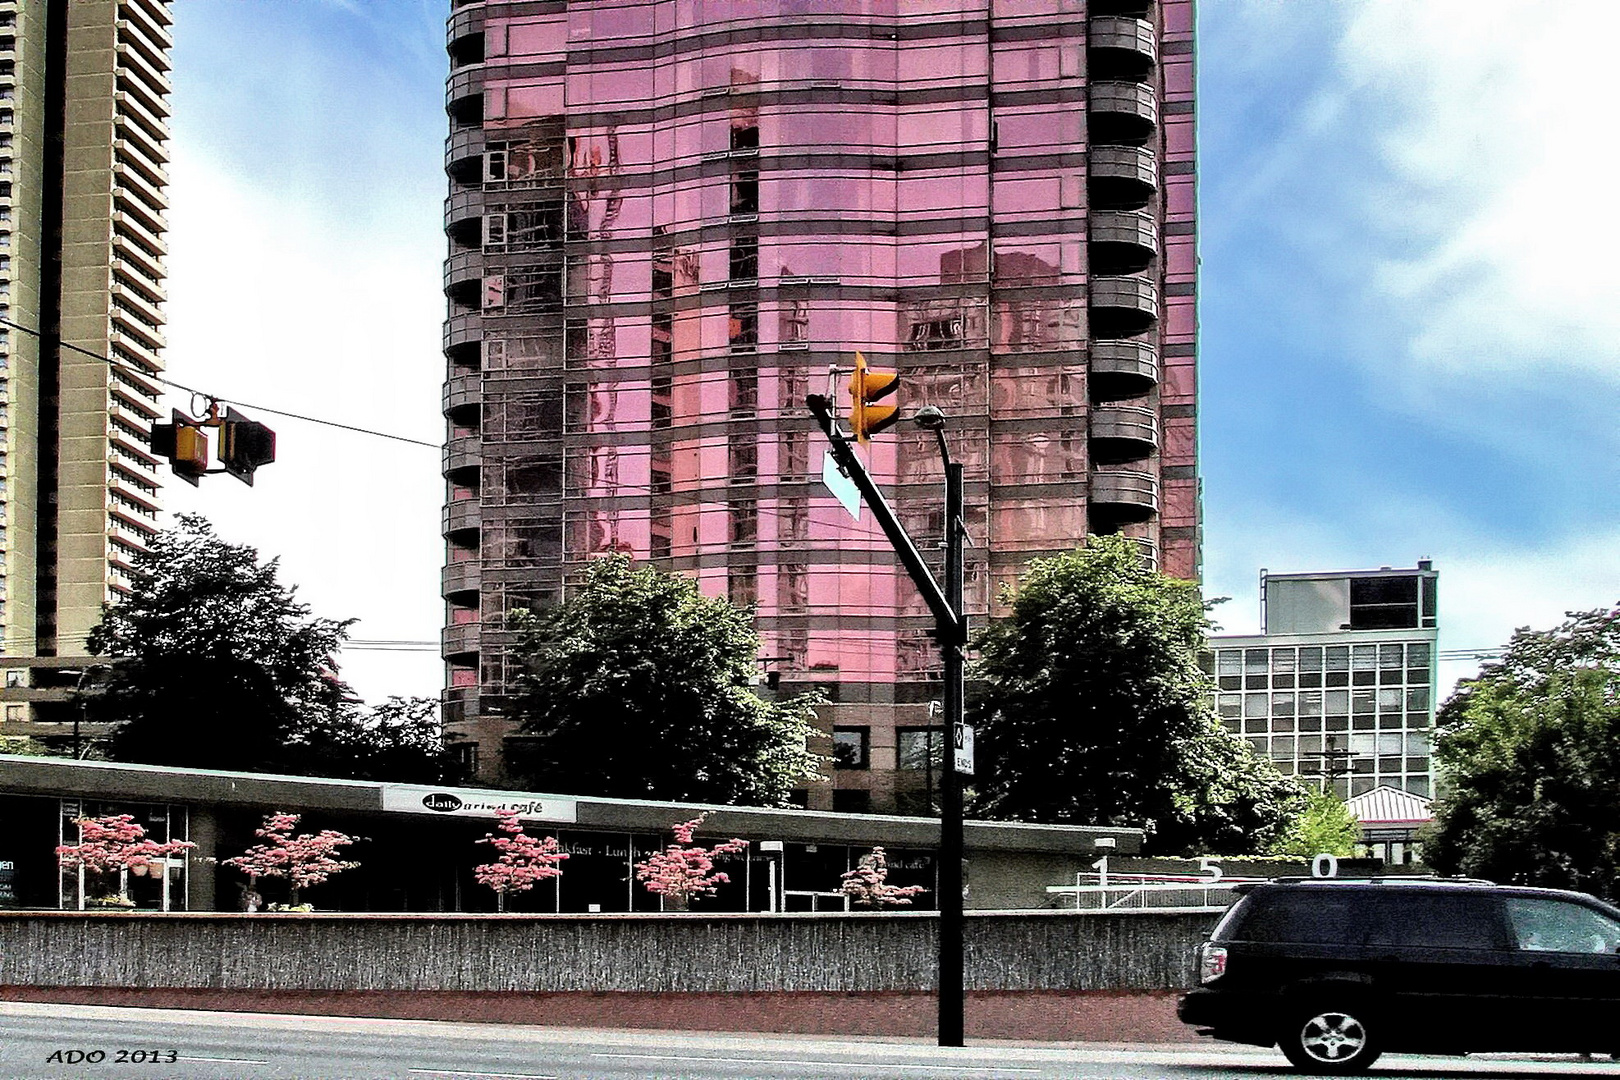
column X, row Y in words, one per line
column 639, row 686
column 1531, row 757
column 1092, row 708
column 215, row 664
column 1324, row 825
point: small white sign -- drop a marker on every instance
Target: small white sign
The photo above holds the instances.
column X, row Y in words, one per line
column 462, row 802
column 964, row 749
column 840, row 485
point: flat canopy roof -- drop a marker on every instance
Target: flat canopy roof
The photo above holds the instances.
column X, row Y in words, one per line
column 69, row 778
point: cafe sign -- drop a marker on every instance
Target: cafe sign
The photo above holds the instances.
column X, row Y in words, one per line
column 463, row 802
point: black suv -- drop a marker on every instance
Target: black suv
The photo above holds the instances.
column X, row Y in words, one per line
column 1337, row 972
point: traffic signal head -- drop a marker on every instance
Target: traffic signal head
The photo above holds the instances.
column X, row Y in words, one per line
column 185, row 444
column 865, row 387
column 244, row 445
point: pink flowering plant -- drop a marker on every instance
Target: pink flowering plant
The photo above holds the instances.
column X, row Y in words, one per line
column 304, row 860
column 684, row 870
column 868, row 884
column 524, row 860
column 113, row 844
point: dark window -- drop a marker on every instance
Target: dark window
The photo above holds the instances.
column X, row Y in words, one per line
column 1437, row 919
column 852, row 801
column 1545, row 925
column 850, row 747
column 1383, row 603
column 920, row 748
column 1314, row 916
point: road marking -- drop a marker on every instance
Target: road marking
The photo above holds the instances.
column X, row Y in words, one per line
column 228, row 1061
column 800, row 1061
column 499, row 1076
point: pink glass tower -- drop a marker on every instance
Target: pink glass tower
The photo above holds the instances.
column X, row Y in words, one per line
column 669, row 219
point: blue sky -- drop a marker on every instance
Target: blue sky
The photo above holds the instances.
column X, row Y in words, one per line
column 1410, row 334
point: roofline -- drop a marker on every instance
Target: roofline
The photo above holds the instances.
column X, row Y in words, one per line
column 70, row 778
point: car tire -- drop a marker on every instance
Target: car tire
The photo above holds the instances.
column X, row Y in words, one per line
column 1331, row 1036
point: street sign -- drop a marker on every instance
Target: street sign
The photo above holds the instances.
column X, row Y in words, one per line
column 964, row 749
column 840, row 485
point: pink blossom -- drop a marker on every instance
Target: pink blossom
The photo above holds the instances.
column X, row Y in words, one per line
column 113, row 843
column 304, row 860
column 683, row 870
column 524, row 859
column 867, row 885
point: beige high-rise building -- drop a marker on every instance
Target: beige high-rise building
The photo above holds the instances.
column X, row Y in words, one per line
column 84, row 91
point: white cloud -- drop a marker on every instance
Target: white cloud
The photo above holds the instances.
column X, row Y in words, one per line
column 1496, row 125
column 278, row 301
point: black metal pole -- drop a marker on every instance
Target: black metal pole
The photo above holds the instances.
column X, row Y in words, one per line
column 951, row 640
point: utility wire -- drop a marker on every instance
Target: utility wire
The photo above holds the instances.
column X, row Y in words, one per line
column 150, row 377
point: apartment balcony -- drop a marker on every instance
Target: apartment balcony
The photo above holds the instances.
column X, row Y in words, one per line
column 1121, row 177
column 1121, row 433
column 149, row 239
column 135, row 110
column 463, row 271
column 459, row 577
column 462, row 391
column 463, row 213
column 1121, row 241
column 1121, row 498
column 458, row 703
column 128, row 327
column 137, row 347
column 464, row 150
column 1122, row 48
column 463, row 453
column 462, row 330
column 141, row 35
column 1149, row 550
column 458, row 640
column 463, row 515
column 1123, row 369
column 464, row 84
column 1122, row 113
column 464, row 22
column 1123, row 306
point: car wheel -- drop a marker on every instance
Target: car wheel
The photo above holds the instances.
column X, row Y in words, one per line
column 1334, row 1037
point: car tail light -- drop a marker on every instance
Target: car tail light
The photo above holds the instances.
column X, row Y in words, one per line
column 1211, row 962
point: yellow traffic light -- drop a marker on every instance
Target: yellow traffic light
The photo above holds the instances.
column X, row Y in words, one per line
column 185, row 444
column 865, row 387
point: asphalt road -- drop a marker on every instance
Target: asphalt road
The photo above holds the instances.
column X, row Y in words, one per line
column 76, row 1041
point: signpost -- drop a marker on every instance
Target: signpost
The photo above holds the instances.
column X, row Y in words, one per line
column 951, row 631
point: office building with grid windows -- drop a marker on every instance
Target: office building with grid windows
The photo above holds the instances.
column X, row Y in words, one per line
column 84, row 93
column 669, row 219
column 1339, row 688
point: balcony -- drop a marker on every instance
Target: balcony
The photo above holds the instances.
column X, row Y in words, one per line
column 464, row 22
column 1122, row 241
column 458, row 703
column 1121, row 177
column 1123, row 369
column 1122, row 113
column 1123, row 306
column 459, row 577
column 465, row 146
column 464, row 210
column 1121, row 498
column 463, row 330
column 461, row 392
column 463, row 515
column 1149, row 550
column 464, row 84
column 1121, row 433
column 463, row 453
column 458, row 640
column 464, row 271
column 1121, row 48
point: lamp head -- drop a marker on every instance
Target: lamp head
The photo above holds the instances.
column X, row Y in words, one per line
column 929, row 418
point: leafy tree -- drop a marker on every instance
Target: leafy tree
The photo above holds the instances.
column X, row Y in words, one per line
column 1324, row 825
column 639, row 686
column 867, row 886
column 1531, row 757
column 114, row 844
column 216, row 665
column 524, row 859
column 1092, row 708
column 303, row 860
column 684, row 870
